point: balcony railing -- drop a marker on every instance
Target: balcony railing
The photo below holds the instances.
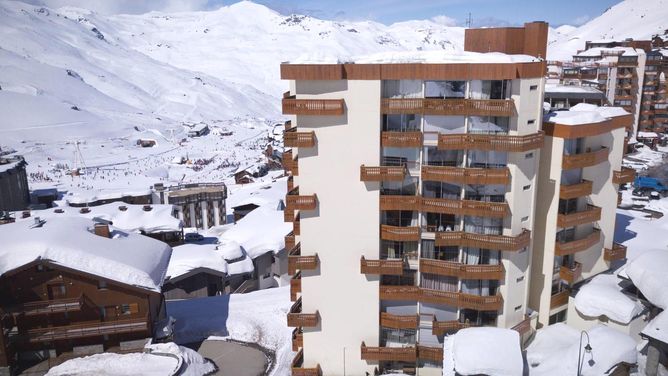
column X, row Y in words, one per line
column 461, row 175
column 396, row 202
column 625, row 175
column 299, row 370
column 295, row 286
column 559, row 299
column 411, row 139
column 574, row 246
column 388, row 320
column 292, row 106
column 571, row 275
column 461, row 107
column 390, row 354
column 294, row 201
column 297, row 339
column 496, row 242
column 298, row 319
column 381, row 267
column 290, row 164
column 298, row 262
column 480, row 303
column 589, row 215
column 587, row 159
column 617, row 252
column 49, row 306
column 451, row 298
column 490, row 142
column 465, row 207
column 400, row 233
column 299, row 139
column 431, row 354
column 442, row 327
column 462, row 271
column 290, row 240
column 87, row 330
column 383, row 173
column 584, row 188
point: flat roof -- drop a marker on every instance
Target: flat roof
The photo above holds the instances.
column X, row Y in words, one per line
column 416, row 57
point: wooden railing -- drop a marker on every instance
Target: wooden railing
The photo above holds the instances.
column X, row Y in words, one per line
column 617, row 252
column 451, row 298
column 496, row 242
column 290, row 164
column 399, row 233
column 587, row 159
column 435, row 106
column 568, row 248
column 295, row 286
column 480, row 303
column 409, row 203
column 381, row 267
column 297, row 339
column 392, row 354
column 290, row 240
column 298, row 319
column 463, row 175
column 462, row 271
column 87, row 330
column 625, row 175
column 388, row 320
column 431, row 354
column 584, row 188
column 292, row 106
column 465, row 207
column 299, row 370
column 383, row 173
column 589, row 215
column 299, row 139
column 298, row 262
column 399, row 293
column 571, row 275
column 296, row 225
column 410, row 139
column 559, row 299
column 491, row 142
column 294, row 201
column 442, row 327
column 49, row 306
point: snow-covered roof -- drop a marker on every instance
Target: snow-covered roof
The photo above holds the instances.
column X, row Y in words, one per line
column 83, row 197
column 596, row 51
column 642, row 134
column 189, row 257
column 503, row 354
column 127, row 258
column 648, row 273
column 558, row 88
column 8, row 163
column 603, row 296
column 417, row 57
column 584, row 113
column 658, row 328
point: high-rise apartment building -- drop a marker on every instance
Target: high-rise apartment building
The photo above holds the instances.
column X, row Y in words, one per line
column 413, row 189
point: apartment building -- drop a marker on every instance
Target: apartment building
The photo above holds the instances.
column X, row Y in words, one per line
column 579, row 177
column 413, row 187
column 198, row 205
column 14, row 192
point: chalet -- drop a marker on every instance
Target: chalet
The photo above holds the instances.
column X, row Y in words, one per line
column 241, row 211
column 71, row 285
column 243, row 177
column 195, row 271
column 198, row 130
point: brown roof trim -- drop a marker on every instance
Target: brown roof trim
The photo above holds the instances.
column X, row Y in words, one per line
column 586, row 130
column 413, row 71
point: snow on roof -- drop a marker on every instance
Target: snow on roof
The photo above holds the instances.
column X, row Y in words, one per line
column 648, row 273
column 127, row 258
column 417, row 57
column 83, row 197
column 259, row 193
column 7, row 164
column 558, row 88
column 602, row 296
column 584, row 113
column 555, row 350
column 605, row 111
column 596, row 51
column 267, row 219
column 647, row 134
column 188, row 257
column 503, row 355
column 230, row 250
column 658, row 328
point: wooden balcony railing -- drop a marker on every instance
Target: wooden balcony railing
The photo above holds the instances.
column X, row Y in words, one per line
column 287, row 125
column 431, row 354
column 569, row 248
column 390, row 354
column 451, row 298
column 383, row 173
column 295, row 286
column 299, row 370
column 465, row 207
column 400, row 233
column 589, row 215
column 87, row 330
column 480, row 303
column 587, row 159
column 294, row 139
column 462, row 271
column 399, row 293
column 491, row 142
column 292, row 106
column 496, row 242
column 297, row 339
column 559, row 299
column 298, row 319
column 584, row 188
column 388, row 320
column 290, row 164
column 443, row 327
column 411, row 139
column 462, row 175
column 290, row 240
column 625, row 175
column 617, row 252
column 408, row 203
column 291, row 182
column 45, row 307
column 298, row 262
column 381, row 267
column 571, row 275
column 294, row 201
column 296, row 225
column 461, row 107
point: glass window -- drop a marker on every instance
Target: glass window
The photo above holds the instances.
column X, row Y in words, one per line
column 445, row 89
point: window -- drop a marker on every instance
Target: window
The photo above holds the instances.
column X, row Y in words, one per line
column 128, row 309
column 558, row 317
column 101, row 285
column 526, row 187
column 519, row 279
column 533, row 87
column 519, row 307
column 532, row 121
column 525, row 218
column 528, row 155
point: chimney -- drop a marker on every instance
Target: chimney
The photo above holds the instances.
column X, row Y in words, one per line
column 102, row 229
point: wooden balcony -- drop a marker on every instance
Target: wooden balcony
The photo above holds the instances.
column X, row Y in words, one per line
column 480, row 303
column 298, row 319
column 462, row 175
column 400, row 233
column 298, row 262
column 390, row 354
column 388, row 320
column 295, row 139
column 559, row 299
column 408, row 203
column 411, row 139
column 465, row 207
column 318, row 107
column 297, row 339
column 399, row 293
column 589, row 215
column 490, row 142
column 299, row 370
column 383, row 173
column 290, row 240
column 92, row 329
column 296, row 225
column 46, row 307
column 451, row 298
column 462, row 271
column 496, row 242
column 295, row 201
column 381, row 267
column 291, row 182
column 439, row 328
column 571, row 275
column 587, row 159
column 569, row 248
column 617, row 252
column 430, row 354
column 290, row 164
column 581, row 189
column 625, row 175
column 295, row 286
column 460, row 107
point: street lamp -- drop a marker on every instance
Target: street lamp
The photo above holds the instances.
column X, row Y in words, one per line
column 587, row 349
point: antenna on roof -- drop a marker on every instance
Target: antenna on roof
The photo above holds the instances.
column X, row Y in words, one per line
column 468, row 21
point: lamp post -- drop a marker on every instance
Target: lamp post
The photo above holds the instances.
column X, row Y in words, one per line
column 587, row 349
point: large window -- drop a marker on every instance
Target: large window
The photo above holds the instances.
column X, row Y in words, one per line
column 490, row 89
column 430, row 251
column 402, row 89
column 489, row 124
column 401, row 122
column 445, row 89
column 434, row 157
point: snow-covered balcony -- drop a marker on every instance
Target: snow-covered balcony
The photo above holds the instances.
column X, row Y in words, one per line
column 497, row 242
column 298, row 319
column 383, row 173
column 581, row 189
column 498, row 142
column 382, row 267
column 563, row 248
column 462, row 271
column 586, row 159
column 589, row 215
column 319, row 107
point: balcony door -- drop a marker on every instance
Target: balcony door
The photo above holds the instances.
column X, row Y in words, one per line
column 56, row 291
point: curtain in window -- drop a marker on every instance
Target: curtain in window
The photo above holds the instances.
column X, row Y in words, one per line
column 471, row 286
column 428, row 249
column 438, row 282
column 472, row 256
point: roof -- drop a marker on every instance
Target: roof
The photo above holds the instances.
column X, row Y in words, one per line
column 83, row 197
column 501, row 346
column 648, row 274
column 420, row 57
column 9, row 163
column 603, row 296
column 189, row 257
column 126, row 258
column 584, row 113
column 657, row 328
column 596, row 51
column 573, row 91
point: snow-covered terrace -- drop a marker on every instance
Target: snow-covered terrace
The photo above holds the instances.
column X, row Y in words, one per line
column 584, row 113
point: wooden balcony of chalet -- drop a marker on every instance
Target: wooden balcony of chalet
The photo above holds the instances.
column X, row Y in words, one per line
column 581, row 189
column 400, row 233
column 390, row 354
column 297, row 339
column 496, row 242
column 383, row 173
column 410, row 139
column 578, row 245
column 590, row 214
column 617, row 252
column 298, row 262
column 625, row 175
column 298, row 366
column 586, row 159
column 295, row 139
column 91, row 329
column 318, row 107
column 45, row 307
column 295, row 286
column 304, row 320
column 559, row 299
column 458, row 107
column 399, row 202
column 571, row 274
column 382, row 267
column 442, row 327
column 464, row 175
column 388, row 320
column 451, row 298
column 465, row 207
column 462, row 271
column 498, row 142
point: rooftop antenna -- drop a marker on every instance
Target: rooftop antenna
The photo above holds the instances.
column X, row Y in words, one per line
column 468, row 21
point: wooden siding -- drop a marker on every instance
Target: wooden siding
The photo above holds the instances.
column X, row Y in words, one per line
column 579, row 245
column 462, row 271
column 589, row 215
column 587, row 159
column 383, row 173
column 401, row 139
column 388, row 320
